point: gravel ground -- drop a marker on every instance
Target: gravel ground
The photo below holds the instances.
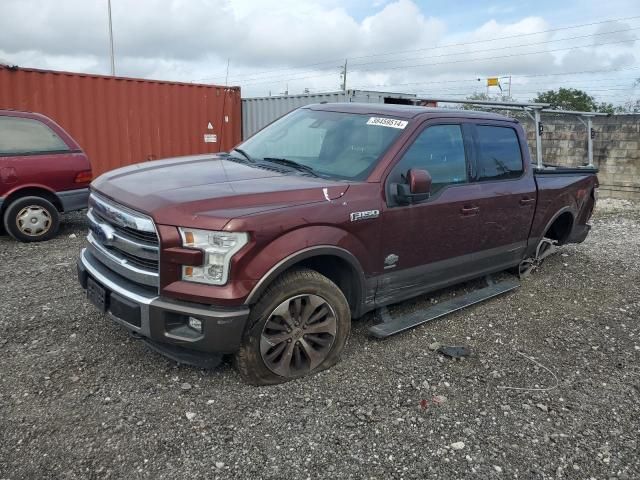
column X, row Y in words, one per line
column 81, row 399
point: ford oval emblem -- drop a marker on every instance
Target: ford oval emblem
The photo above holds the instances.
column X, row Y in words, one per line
column 104, row 232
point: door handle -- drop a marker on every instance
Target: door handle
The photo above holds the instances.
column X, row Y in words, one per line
column 466, row 210
column 526, row 201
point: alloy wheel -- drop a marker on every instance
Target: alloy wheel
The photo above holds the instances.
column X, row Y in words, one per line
column 298, row 335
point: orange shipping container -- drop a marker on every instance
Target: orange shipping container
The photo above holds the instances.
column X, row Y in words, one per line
column 119, row 121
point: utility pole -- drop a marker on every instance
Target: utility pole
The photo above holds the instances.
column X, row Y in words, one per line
column 344, row 76
column 113, row 62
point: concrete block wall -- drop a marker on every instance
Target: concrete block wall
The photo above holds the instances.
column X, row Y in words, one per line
column 616, row 149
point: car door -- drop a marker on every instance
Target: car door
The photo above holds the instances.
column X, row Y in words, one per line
column 8, row 174
column 430, row 244
column 31, row 153
column 507, row 204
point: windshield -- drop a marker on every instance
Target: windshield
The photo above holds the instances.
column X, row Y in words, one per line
column 332, row 144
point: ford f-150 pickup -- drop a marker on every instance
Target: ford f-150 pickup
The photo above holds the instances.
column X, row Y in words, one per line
column 268, row 251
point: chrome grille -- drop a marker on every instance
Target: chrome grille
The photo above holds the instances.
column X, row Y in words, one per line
column 123, row 240
column 149, row 237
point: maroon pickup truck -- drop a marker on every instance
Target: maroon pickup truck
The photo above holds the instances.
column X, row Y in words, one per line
column 267, row 252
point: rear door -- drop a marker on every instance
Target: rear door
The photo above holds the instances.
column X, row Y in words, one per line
column 507, row 203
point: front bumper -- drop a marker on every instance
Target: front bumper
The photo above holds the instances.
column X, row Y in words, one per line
column 164, row 322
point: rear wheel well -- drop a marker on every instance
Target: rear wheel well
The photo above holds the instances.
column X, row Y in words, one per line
column 561, row 227
column 339, row 271
column 32, row 192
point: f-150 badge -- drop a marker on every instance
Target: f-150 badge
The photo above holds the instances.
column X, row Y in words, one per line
column 355, row 216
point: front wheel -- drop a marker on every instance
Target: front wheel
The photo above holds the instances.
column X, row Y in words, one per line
column 298, row 327
column 31, row 219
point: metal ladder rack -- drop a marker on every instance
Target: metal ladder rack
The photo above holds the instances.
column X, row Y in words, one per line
column 533, row 110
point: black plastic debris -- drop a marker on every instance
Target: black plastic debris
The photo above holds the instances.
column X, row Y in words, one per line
column 454, row 351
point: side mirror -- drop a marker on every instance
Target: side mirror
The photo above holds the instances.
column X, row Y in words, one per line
column 417, row 188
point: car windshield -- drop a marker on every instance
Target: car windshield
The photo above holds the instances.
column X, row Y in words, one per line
column 328, row 144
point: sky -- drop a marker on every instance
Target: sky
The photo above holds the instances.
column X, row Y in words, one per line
column 268, row 47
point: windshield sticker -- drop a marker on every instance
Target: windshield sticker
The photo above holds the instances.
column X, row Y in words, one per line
column 387, row 122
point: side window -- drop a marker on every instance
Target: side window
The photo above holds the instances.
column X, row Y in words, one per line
column 439, row 149
column 24, row 135
column 499, row 155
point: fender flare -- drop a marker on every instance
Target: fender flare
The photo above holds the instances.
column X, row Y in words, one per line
column 304, row 254
column 555, row 216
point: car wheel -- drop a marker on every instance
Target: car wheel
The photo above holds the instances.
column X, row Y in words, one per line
column 298, row 327
column 31, row 219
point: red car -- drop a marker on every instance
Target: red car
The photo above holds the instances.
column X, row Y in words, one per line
column 43, row 172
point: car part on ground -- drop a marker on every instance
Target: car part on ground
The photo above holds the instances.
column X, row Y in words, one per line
column 545, row 248
column 454, row 351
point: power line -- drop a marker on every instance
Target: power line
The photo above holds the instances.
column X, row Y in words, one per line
column 533, row 75
column 501, row 48
column 467, row 94
column 503, row 38
column 539, row 52
column 570, row 27
column 509, row 47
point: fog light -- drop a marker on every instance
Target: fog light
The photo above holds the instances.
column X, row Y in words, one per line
column 195, row 324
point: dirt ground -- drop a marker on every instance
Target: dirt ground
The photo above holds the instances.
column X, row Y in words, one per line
column 551, row 389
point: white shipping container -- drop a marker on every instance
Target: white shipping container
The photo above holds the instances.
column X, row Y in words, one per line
column 258, row 112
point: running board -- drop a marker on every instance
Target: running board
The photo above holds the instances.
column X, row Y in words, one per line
column 391, row 326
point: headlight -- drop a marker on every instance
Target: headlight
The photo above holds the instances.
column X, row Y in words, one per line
column 218, row 248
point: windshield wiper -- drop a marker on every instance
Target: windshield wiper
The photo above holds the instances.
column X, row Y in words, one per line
column 293, row 164
column 244, row 154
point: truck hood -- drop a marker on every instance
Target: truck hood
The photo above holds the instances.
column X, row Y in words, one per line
column 206, row 191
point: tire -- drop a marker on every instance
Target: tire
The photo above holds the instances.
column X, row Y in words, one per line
column 31, row 219
column 319, row 308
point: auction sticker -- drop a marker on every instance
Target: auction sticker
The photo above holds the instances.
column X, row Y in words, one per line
column 387, row 122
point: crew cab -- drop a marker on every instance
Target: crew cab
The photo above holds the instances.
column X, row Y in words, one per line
column 43, row 172
column 268, row 251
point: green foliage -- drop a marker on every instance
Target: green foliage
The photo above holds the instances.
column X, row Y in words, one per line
column 568, row 99
column 604, row 107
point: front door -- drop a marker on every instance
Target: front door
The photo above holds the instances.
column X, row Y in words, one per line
column 430, row 244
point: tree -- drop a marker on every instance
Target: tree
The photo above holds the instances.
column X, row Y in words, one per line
column 568, row 99
column 604, row 107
